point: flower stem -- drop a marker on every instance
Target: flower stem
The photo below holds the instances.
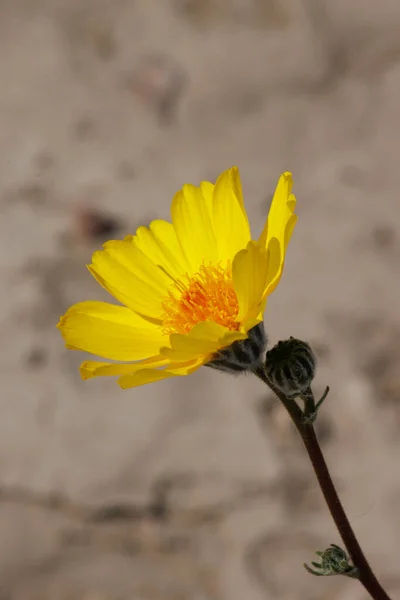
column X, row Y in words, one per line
column 307, row 433
column 366, row 575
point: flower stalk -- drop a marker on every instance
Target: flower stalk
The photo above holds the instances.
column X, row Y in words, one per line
column 304, row 425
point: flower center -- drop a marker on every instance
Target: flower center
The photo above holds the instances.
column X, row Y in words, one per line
column 208, row 295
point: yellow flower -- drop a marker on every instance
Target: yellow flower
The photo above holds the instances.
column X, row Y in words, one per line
column 190, row 288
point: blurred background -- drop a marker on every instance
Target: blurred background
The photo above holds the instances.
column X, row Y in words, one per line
column 196, row 488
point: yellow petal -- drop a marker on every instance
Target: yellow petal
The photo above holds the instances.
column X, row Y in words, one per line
column 151, row 375
column 131, row 277
column 203, row 340
column 194, row 229
column 142, row 377
column 280, row 213
column 92, row 368
column 251, row 321
column 278, row 230
column 159, row 243
column 289, row 229
column 275, row 266
column 207, row 189
column 230, row 220
column 110, row 331
column 230, row 337
column 250, row 272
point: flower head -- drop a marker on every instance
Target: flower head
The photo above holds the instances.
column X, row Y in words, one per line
column 189, row 289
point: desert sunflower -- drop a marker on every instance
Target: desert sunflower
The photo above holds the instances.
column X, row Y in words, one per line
column 193, row 291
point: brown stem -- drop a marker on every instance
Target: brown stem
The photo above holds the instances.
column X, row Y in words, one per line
column 366, row 575
column 307, row 433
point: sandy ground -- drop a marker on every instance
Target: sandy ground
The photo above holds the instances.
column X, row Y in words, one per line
column 180, row 490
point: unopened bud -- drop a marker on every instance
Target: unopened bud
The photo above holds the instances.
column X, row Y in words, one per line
column 290, row 366
column 242, row 355
column 334, row 561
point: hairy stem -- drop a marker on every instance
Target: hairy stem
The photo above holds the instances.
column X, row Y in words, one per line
column 366, row 575
column 307, row 433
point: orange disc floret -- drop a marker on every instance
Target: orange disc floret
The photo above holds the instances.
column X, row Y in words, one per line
column 208, row 295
